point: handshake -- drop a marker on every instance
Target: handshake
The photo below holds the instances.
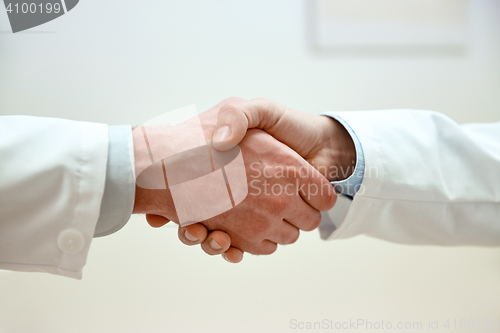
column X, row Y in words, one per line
column 289, row 159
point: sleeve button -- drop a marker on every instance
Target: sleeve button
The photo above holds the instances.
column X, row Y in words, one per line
column 71, row 241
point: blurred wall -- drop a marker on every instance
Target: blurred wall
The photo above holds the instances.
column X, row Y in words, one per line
column 122, row 62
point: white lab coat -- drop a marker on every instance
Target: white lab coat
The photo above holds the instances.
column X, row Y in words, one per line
column 51, row 186
column 427, row 180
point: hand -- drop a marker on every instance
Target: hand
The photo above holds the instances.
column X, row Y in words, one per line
column 213, row 242
column 321, row 140
column 285, row 195
column 263, row 219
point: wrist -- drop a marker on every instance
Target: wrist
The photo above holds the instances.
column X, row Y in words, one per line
column 142, row 203
column 341, row 151
column 152, row 194
column 155, row 202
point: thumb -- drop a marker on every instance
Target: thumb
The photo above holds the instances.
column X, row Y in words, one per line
column 283, row 123
column 232, row 126
column 235, row 119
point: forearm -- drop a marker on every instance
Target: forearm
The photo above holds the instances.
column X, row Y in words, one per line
column 53, row 174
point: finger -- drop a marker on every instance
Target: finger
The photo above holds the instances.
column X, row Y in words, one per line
column 266, row 247
column 156, row 221
column 302, row 216
column 285, row 233
column 233, row 255
column 217, row 242
column 192, row 234
column 315, row 189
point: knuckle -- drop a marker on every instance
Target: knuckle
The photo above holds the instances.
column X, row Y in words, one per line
column 271, row 248
column 257, row 227
column 332, row 200
column 315, row 221
column 262, row 100
column 266, row 248
column 271, row 107
column 234, row 99
column 251, row 247
column 228, row 109
column 328, row 196
column 276, row 205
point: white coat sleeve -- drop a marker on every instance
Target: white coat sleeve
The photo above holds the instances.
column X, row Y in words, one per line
column 427, row 180
column 51, row 186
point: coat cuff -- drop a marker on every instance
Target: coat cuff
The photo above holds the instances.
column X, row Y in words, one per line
column 119, row 192
column 347, row 187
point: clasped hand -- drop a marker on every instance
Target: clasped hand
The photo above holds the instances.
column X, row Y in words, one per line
column 288, row 156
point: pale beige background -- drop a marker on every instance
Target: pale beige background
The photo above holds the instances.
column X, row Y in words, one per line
column 123, row 62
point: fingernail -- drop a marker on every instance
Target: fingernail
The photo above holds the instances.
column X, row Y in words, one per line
column 222, row 134
column 190, row 237
column 225, row 258
column 214, row 245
